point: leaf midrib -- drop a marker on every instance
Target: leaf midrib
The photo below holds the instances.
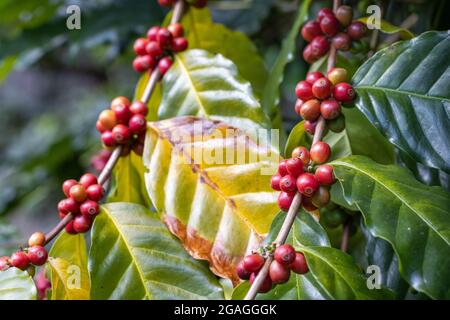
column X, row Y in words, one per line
column 401, row 92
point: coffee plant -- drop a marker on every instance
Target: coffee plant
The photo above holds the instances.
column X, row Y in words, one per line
column 348, row 208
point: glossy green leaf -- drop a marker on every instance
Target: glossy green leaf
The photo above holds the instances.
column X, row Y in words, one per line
column 412, row 217
column 16, row 284
column 133, row 256
column 389, row 28
column 404, row 90
column 297, row 137
column 68, row 265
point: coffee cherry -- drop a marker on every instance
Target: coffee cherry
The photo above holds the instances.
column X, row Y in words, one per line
column 342, row 41
column 324, row 174
column 69, row 228
column 303, row 90
column 138, row 107
column 321, row 197
column 275, row 182
column 320, row 152
column 36, row 239
column 307, row 184
column 266, row 284
column 337, row 125
column 310, row 126
column 312, row 77
column 121, row 134
column 199, row 4
column 89, row 208
column 302, row 153
column 337, row 75
column 278, row 272
column 108, row 139
column 308, row 55
column 20, row 260
column 285, row 200
column 4, row 262
column 253, row 262
column 95, row 192
column 330, row 25
column 179, row 44
column 287, row 183
column 310, row 110
column 310, row 30
column 139, row 46
column 282, row 170
column 154, row 49
column 345, row 15
column 88, row 179
column 82, row 223
column 284, row 254
column 166, row 3
column 120, row 100
column 319, row 46
column 299, row 265
column 176, row 30
column 37, row 255
column 123, row 113
column 308, row 205
column 138, row 148
column 330, row 109
column 78, row 193
column 143, row 63
column 322, row 88
column 164, row 37
column 68, row 205
column 137, row 123
column 241, row 272
column 323, row 13
column 298, row 105
column 152, row 33
column 344, row 92
column 108, row 119
column 164, row 65
column 294, row 167
column 99, row 127
column 67, row 185
column 357, row 30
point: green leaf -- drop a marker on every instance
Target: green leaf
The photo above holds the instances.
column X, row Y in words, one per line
column 219, row 204
column 16, row 284
column 404, row 90
column 271, row 96
column 386, row 27
column 297, row 137
column 133, row 256
column 412, row 217
column 68, row 265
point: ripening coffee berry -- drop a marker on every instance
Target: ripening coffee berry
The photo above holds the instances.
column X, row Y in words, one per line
column 4, row 262
column 322, row 88
column 310, row 30
column 345, row 15
column 95, row 192
column 139, row 46
column 284, row 254
column 323, row 13
column 69, row 228
column 36, row 239
column 308, row 205
column 330, row 109
column 310, row 110
column 137, row 123
column 310, row 126
column 176, row 29
column 302, row 153
column 285, row 200
column 308, row 55
column 321, row 197
column 303, row 90
column 164, row 37
column 82, row 223
column 337, row 75
column 37, row 255
column 307, row 184
column 89, row 208
column 143, row 63
column 357, row 30
column 278, row 272
column 120, row 100
column 20, row 260
column 123, row 113
column 108, row 139
column 287, row 183
column 299, row 265
column 320, row 152
column 275, row 182
column 282, row 170
column 68, row 205
column 78, row 193
column 330, row 25
column 99, row 127
column 67, row 185
column 166, row 3
column 241, row 272
column 266, row 284
column 298, row 105
column 337, row 125
column 108, row 119
column 121, row 134
column 324, row 174
column 154, row 49
column 343, row 92
column 164, row 64
column 312, row 77
column 294, row 167
column 179, row 44
column 253, row 262
column 138, row 107
column 319, row 46
column 342, row 41
column 88, row 179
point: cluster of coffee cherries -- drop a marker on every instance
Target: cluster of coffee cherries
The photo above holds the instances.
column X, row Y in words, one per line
column 25, row 259
column 196, row 3
column 157, row 48
column 296, row 174
column 321, row 95
column 336, row 28
column 82, row 201
column 124, row 124
column 286, row 259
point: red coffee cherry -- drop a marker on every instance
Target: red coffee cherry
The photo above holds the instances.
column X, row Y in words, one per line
column 164, row 37
column 337, row 75
column 37, row 255
column 121, row 134
column 319, row 46
column 278, row 272
column 137, row 123
column 320, row 152
column 241, row 272
column 298, row 105
column 123, row 113
column 284, row 254
column 324, row 174
column 20, row 260
column 253, row 262
column 176, row 29
column 108, row 119
column 88, row 179
column 287, row 183
column 308, row 205
column 307, row 184
column 95, row 192
column 322, row 88
column 138, row 148
column 308, row 55
column 275, row 182
column 344, row 92
column 310, row 126
column 36, row 239
column 68, row 205
column 299, row 265
column 78, row 193
column 67, row 185
column 152, row 33
column 164, row 65
column 310, row 30
column 108, row 139
column 138, row 107
column 323, row 13
column 310, row 110
column 120, row 100
column 342, row 41
column 285, row 200
column 139, row 46
column 143, row 63
column 312, row 77
column 330, row 25
column 294, row 167
column 69, row 228
column 302, row 153
column 82, row 223
column 99, row 127
column 166, row 3
column 179, row 44
column 199, row 4
column 282, row 170
column 321, row 197
column 4, row 262
column 89, row 208
column 357, row 30
column 345, row 15
column 154, row 49
column 303, row 90
column 330, row 109
column 265, row 286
